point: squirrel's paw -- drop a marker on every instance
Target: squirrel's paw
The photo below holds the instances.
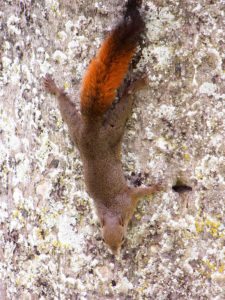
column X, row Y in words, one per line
column 137, row 83
column 154, row 188
column 157, row 187
column 50, row 85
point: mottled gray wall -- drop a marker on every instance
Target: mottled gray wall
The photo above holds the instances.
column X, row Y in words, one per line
column 50, row 246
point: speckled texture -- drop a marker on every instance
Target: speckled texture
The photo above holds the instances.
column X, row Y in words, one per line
column 50, row 246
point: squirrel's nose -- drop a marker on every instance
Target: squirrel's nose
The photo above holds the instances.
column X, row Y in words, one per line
column 115, row 251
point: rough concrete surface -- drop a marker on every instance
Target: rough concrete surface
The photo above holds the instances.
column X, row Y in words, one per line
column 51, row 246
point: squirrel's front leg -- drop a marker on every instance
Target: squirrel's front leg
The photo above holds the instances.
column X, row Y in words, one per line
column 139, row 192
column 67, row 108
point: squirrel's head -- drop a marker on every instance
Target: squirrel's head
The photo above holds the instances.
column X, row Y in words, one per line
column 113, row 231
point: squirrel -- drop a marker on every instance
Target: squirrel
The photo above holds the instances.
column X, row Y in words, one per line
column 97, row 129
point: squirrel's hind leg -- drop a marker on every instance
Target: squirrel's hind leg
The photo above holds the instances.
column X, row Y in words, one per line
column 119, row 115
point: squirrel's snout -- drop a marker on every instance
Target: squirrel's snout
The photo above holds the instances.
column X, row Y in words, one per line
column 115, row 251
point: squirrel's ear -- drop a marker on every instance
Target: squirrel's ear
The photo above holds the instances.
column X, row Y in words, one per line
column 102, row 221
column 121, row 221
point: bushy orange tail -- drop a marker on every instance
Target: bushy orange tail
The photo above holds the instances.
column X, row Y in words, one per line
column 107, row 70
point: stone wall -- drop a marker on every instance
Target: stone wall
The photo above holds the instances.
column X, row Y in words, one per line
column 50, row 245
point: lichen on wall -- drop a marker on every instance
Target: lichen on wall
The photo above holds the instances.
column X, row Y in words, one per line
column 50, row 243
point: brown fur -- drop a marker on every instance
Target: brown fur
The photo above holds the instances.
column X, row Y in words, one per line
column 98, row 137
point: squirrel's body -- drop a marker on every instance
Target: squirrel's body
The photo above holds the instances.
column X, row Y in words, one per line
column 101, row 162
column 99, row 129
